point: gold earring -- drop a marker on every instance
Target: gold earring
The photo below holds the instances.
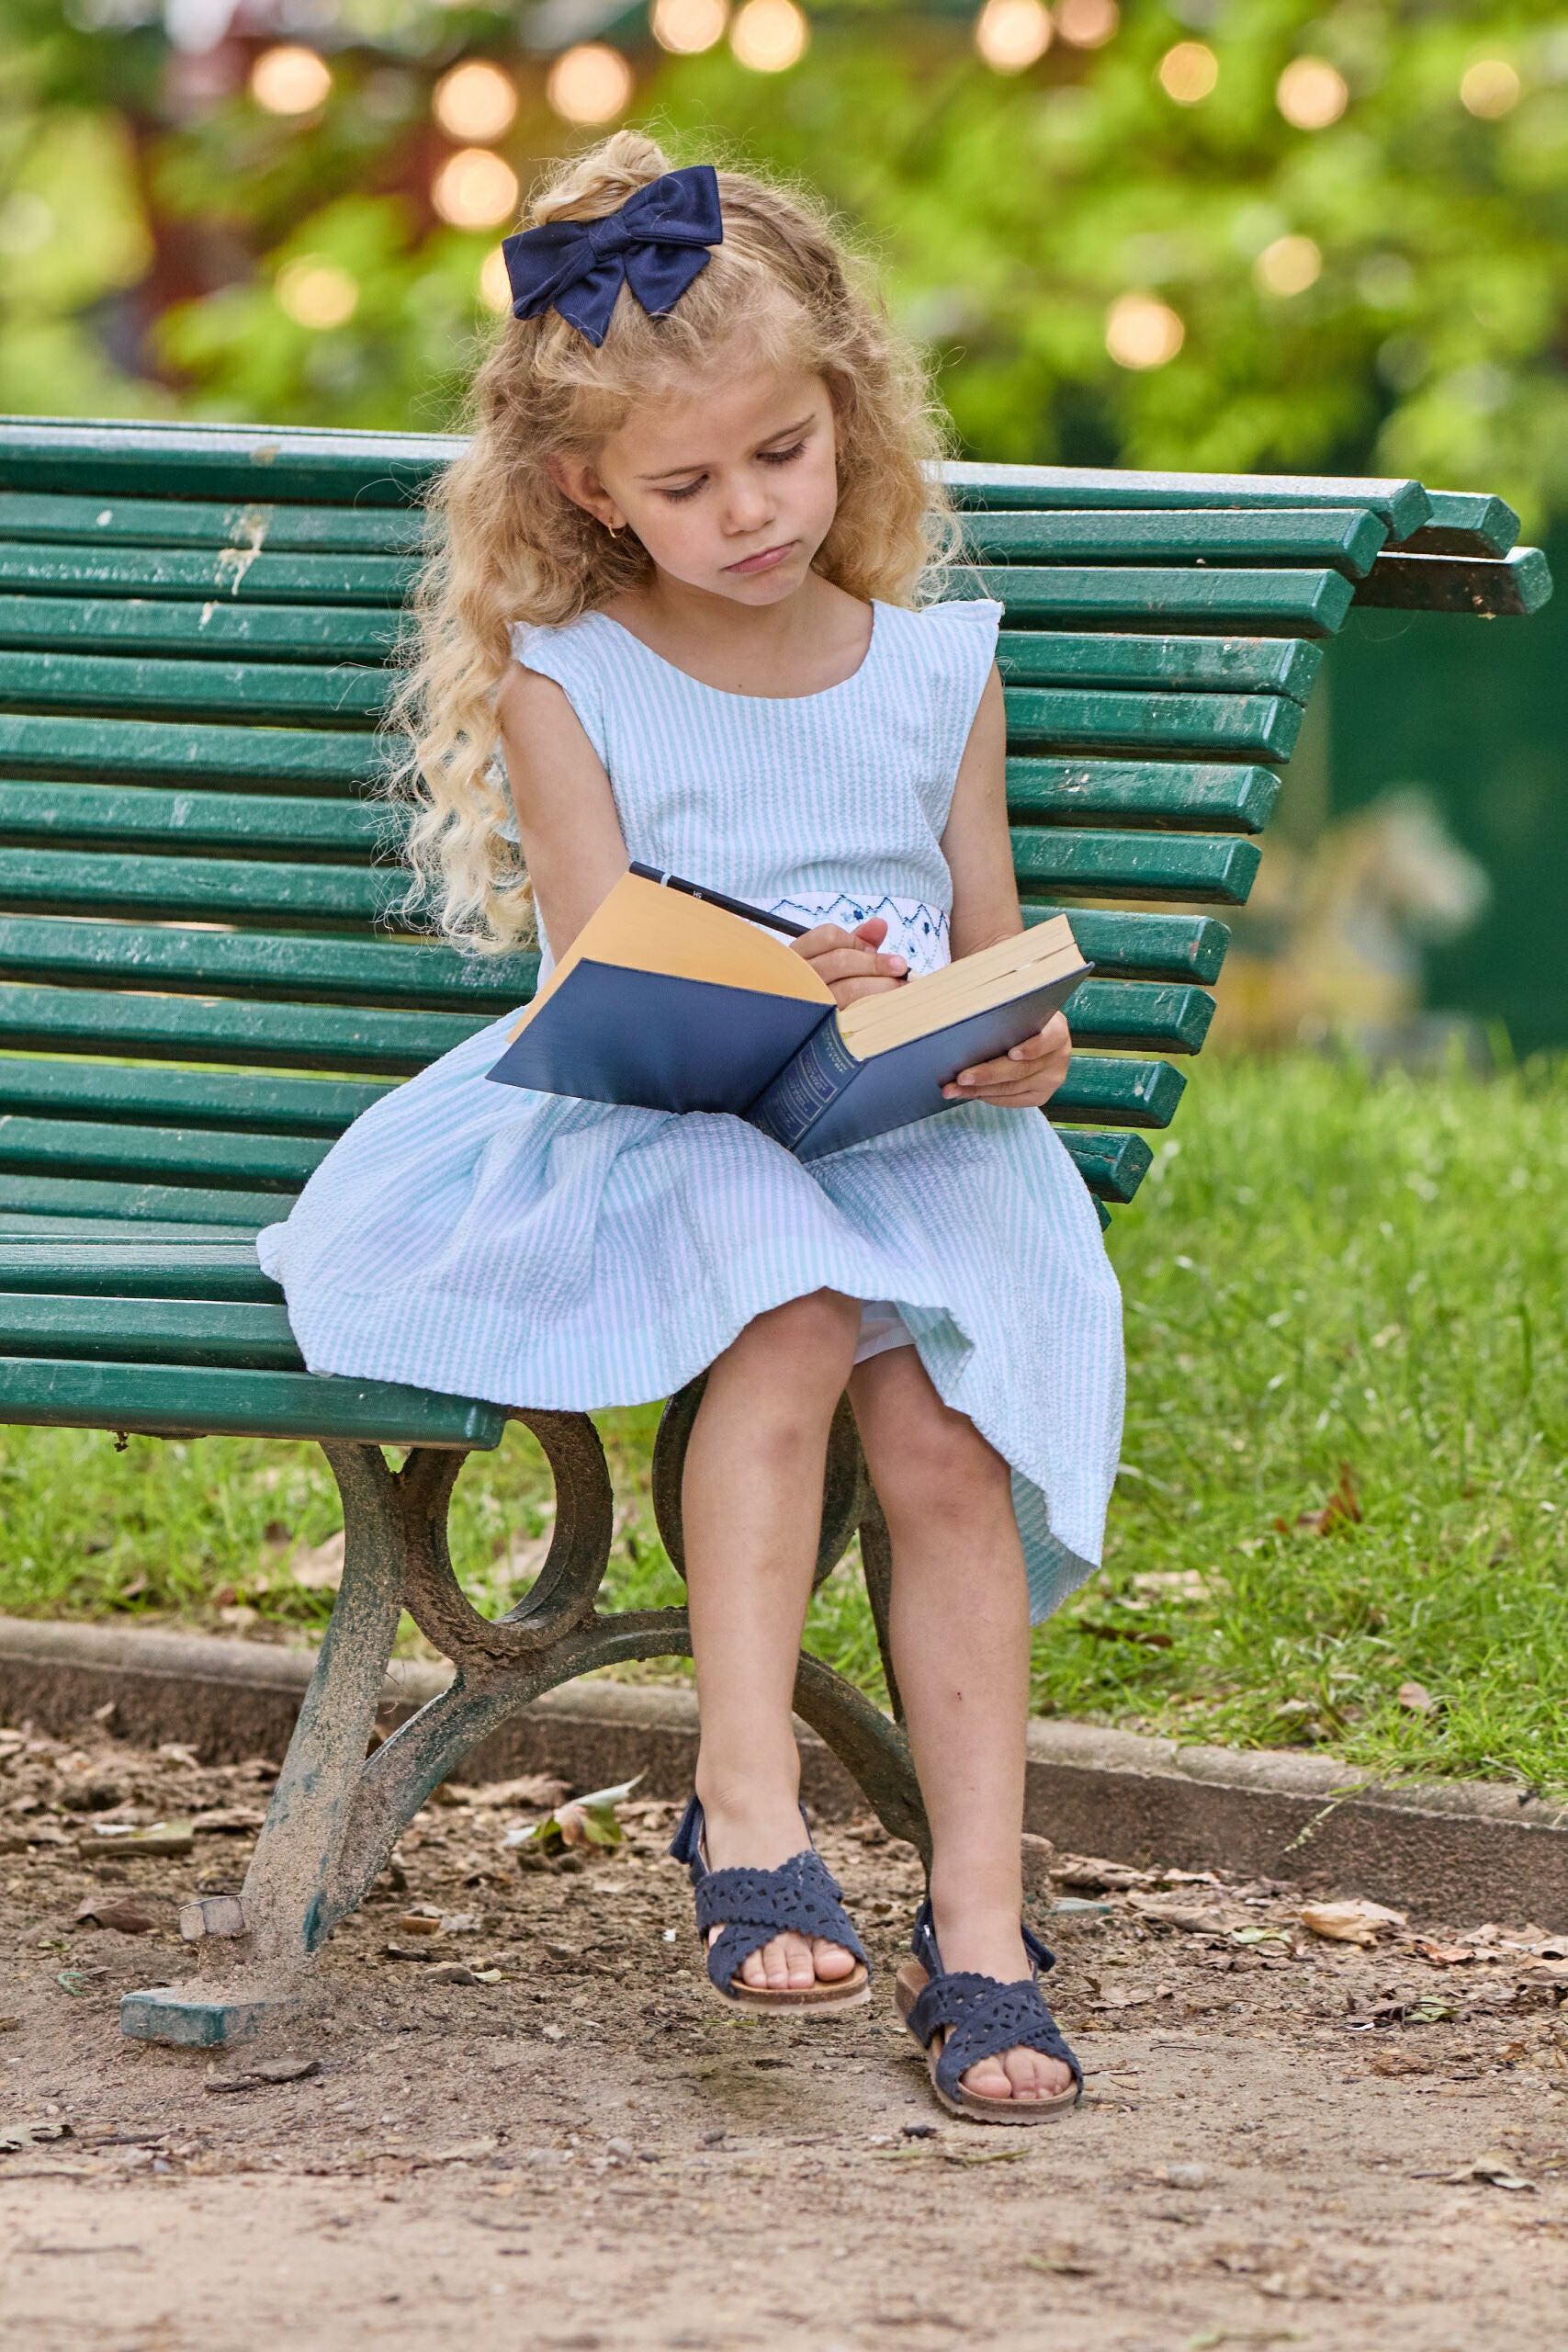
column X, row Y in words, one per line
column 615, row 529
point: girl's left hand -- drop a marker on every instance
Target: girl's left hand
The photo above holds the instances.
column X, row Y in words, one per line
column 1026, row 1079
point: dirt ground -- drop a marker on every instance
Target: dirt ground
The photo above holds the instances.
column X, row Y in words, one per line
column 1286, row 2140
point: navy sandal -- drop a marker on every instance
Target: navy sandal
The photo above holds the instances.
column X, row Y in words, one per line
column 960, row 2019
column 752, row 1906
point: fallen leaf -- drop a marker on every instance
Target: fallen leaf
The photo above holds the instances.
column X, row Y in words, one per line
column 126, row 1919
column 1341, row 1509
column 585, row 1821
column 226, row 1821
column 1126, row 1633
column 466, row 2151
column 15, row 2137
column 1063, row 2261
column 263, row 2073
column 1416, row 1700
column 1494, row 2165
column 1430, row 2012
column 461, row 1923
column 420, row 1923
column 1354, row 1922
column 10, row 2025
column 157, row 1837
column 532, row 1789
column 1444, row 1955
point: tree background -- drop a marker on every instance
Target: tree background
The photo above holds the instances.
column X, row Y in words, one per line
column 1385, row 293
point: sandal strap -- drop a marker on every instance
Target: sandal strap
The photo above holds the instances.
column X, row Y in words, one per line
column 982, row 2016
column 752, row 1906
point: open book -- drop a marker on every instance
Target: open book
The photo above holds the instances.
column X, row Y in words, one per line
column 671, row 1003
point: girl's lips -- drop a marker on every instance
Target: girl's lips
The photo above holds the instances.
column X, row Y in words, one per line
column 763, row 562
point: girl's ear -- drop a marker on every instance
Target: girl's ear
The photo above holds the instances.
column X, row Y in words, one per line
column 577, row 478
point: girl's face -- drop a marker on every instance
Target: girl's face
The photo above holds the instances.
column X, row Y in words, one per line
column 731, row 487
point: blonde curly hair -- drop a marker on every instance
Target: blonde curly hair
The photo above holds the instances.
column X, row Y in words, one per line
column 512, row 547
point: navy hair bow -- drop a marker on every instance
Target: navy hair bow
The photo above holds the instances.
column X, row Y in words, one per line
column 655, row 243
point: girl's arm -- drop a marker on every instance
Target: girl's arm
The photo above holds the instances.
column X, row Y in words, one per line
column 567, row 825
column 984, row 909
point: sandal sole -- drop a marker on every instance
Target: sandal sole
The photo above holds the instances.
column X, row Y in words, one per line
column 907, row 1986
column 819, row 2001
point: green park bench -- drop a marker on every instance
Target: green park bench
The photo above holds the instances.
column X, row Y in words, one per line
column 199, row 987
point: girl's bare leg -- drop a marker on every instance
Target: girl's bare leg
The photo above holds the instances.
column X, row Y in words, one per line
column 959, row 1639
column 752, row 1506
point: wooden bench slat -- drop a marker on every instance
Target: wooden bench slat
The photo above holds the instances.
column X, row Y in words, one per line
column 316, row 759
column 1309, row 604
column 173, row 1400
column 78, row 1196
column 296, row 463
column 183, row 1098
column 1118, row 1093
column 1345, row 538
column 209, row 1029
column 233, row 573
column 93, row 816
column 1282, row 665
column 218, row 890
column 1161, row 1016
column 309, row 971
column 194, row 523
column 77, row 1258
column 1217, row 872
column 216, row 630
column 1144, row 946
column 1404, row 505
column 1070, row 792
column 1237, row 726
column 149, row 1330
column 1465, row 522
column 307, row 694
column 63, row 1147
column 1112, row 1166
column 1518, row 586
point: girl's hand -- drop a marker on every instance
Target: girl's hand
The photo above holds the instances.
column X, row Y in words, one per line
column 1028, row 1076
column 847, row 961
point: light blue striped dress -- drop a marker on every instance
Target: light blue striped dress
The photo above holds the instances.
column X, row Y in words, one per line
column 541, row 1251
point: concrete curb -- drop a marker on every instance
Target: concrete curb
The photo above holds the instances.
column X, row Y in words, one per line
column 1459, row 1850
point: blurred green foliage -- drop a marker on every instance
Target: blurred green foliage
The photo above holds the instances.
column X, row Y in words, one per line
column 150, row 206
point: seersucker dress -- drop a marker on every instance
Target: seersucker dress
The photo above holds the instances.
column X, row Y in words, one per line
column 540, row 1251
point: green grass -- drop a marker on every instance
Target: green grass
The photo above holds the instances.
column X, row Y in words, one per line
column 1322, row 1269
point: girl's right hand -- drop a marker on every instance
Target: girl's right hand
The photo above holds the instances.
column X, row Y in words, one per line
column 847, row 961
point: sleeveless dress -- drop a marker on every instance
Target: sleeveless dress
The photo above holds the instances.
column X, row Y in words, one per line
column 539, row 1251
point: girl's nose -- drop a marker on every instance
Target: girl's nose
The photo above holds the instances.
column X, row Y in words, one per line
column 748, row 507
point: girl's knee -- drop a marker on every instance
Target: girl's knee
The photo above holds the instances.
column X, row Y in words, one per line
column 809, row 1340
column 936, row 1470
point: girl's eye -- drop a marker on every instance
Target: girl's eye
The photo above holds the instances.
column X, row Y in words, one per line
column 687, row 490
column 782, row 456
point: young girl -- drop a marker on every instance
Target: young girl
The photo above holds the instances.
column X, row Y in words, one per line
column 678, row 592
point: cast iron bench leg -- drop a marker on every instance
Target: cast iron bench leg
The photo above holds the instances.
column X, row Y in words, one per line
column 336, row 1815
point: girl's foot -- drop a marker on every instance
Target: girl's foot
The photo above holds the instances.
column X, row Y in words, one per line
column 775, row 1933
column 1019, row 2072
column 993, row 2049
column 789, row 1963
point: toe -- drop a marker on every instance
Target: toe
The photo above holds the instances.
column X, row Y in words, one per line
column 753, row 1971
column 798, row 1960
column 988, row 2078
column 1033, row 2076
column 832, row 1962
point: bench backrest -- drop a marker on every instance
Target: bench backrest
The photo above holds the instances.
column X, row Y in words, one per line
column 197, row 988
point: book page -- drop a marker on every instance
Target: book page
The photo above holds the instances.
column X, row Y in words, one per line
column 993, row 976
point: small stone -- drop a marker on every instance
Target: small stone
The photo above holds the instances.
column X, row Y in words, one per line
column 452, row 1972
column 1186, row 2175
column 621, row 2150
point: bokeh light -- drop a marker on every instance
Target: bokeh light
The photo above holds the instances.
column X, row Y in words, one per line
column 770, row 36
column 1188, row 72
column 474, row 189
column 1142, row 333
column 1311, row 94
column 1010, row 34
column 317, row 293
column 1087, row 24
column 1288, row 266
column 688, row 26
column 289, row 80
column 590, row 83
column 1490, row 88
column 495, row 287
column 475, row 101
